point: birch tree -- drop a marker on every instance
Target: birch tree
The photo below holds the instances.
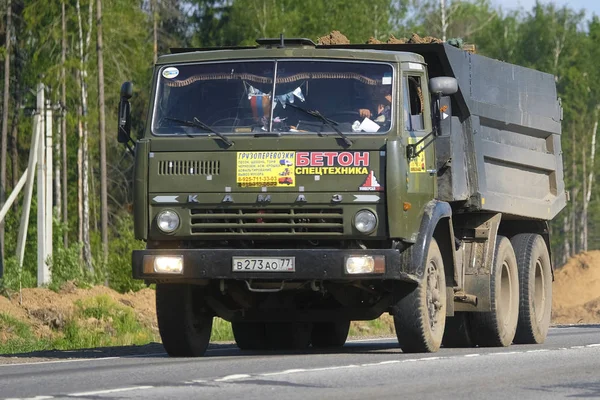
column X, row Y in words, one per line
column 102, row 129
column 63, row 122
column 5, row 105
column 84, row 45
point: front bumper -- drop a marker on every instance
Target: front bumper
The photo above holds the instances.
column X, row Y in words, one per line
column 311, row 264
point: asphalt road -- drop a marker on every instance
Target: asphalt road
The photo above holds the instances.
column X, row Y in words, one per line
column 567, row 365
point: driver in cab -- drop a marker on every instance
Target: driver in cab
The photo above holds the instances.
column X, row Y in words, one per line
column 382, row 108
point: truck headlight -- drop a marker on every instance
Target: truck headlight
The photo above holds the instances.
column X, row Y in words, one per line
column 167, row 221
column 365, row 265
column 365, row 221
column 163, row 264
column 168, row 264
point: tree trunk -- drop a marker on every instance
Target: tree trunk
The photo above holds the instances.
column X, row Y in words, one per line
column 63, row 123
column 583, row 220
column 85, row 195
column 574, row 194
column 79, row 181
column 154, row 7
column 567, row 248
column 444, row 22
column 57, row 192
column 5, row 105
column 14, row 144
column 102, row 127
column 588, row 192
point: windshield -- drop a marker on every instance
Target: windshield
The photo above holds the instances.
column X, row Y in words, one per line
column 241, row 97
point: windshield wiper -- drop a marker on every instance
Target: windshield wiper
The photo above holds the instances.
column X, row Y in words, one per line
column 330, row 123
column 199, row 124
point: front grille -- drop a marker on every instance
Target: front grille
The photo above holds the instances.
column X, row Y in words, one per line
column 189, row 167
column 281, row 221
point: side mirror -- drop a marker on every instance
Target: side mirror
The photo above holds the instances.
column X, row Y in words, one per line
column 124, row 133
column 443, row 85
column 127, row 90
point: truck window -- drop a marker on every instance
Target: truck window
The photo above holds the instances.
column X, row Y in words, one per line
column 413, row 103
column 247, row 97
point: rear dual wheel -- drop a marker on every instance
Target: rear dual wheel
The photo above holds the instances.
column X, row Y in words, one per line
column 497, row 327
column 535, row 278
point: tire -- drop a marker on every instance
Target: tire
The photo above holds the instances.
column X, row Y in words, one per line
column 184, row 320
column 420, row 315
column 497, row 328
column 250, row 335
column 330, row 334
column 288, row 335
column 535, row 288
column 457, row 332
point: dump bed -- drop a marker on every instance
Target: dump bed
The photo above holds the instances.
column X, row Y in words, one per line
column 504, row 150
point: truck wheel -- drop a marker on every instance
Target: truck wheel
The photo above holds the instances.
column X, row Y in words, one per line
column 456, row 333
column 250, row 335
column 330, row 334
column 535, row 280
column 420, row 316
column 184, row 319
column 288, row 335
column 497, row 328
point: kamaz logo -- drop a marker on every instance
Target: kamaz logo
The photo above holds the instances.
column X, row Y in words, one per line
column 193, row 198
column 263, row 198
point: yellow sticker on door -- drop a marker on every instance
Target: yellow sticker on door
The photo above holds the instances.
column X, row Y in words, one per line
column 417, row 164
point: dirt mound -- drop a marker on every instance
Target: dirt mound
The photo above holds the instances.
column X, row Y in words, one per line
column 576, row 297
column 44, row 310
column 335, row 37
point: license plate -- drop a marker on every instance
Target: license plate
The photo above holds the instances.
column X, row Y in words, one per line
column 263, row 264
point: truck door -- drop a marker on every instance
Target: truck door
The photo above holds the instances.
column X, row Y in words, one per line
column 421, row 178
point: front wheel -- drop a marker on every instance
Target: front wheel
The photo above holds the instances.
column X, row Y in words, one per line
column 420, row 315
column 184, row 319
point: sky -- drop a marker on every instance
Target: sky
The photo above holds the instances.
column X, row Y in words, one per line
column 590, row 6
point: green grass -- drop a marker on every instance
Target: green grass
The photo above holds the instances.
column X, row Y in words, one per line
column 97, row 322
column 102, row 322
column 221, row 331
column 21, row 339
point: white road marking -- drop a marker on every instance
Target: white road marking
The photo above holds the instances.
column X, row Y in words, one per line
column 410, row 360
column 32, row 398
column 97, row 392
column 332, row 368
column 287, row 371
column 60, row 361
column 502, row 353
column 232, row 377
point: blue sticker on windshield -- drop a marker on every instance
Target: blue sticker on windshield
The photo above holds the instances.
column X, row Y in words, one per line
column 170, row 72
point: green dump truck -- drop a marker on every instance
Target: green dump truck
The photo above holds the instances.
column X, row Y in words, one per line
column 291, row 188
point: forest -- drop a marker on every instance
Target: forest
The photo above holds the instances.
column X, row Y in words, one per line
column 82, row 51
